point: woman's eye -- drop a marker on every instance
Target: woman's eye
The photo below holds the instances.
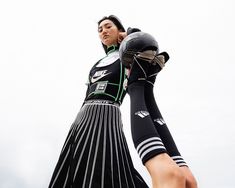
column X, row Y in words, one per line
column 108, row 26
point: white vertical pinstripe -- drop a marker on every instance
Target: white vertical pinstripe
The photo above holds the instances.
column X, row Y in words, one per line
column 66, row 179
column 116, row 147
column 60, row 167
column 84, row 146
column 96, row 149
column 111, row 143
column 123, row 140
column 82, row 124
column 118, row 128
column 72, row 129
column 104, row 146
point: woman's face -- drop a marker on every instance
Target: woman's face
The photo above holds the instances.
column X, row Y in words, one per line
column 108, row 33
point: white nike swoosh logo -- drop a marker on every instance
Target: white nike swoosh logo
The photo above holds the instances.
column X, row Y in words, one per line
column 98, row 77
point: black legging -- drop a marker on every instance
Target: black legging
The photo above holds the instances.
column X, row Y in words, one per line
column 161, row 126
column 149, row 131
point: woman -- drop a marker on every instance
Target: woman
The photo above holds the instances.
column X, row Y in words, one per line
column 151, row 137
column 95, row 153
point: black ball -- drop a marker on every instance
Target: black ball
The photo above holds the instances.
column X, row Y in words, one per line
column 133, row 43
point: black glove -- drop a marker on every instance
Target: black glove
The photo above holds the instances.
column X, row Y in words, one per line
column 132, row 30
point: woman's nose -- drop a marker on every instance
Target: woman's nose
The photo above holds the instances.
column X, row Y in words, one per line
column 104, row 31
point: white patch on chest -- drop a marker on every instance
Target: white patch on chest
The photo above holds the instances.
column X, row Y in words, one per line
column 109, row 59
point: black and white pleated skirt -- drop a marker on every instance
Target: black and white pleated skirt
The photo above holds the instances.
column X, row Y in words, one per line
column 95, row 153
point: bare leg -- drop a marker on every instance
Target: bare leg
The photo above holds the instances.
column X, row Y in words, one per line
column 164, row 172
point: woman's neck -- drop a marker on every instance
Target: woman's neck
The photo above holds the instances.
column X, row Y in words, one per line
column 112, row 48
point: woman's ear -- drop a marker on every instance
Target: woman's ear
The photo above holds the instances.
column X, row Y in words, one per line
column 121, row 36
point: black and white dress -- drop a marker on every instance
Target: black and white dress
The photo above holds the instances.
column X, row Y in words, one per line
column 95, row 153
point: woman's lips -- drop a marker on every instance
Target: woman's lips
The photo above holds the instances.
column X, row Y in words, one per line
column 105, row 37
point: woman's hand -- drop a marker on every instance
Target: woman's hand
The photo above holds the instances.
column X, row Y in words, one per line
column 121, row 36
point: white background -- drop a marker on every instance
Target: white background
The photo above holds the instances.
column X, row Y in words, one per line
column 47, row 48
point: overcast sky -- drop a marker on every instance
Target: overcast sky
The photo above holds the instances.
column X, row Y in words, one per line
column 47, row 48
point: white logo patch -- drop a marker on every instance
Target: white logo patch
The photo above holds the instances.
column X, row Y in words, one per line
column 109, row 59
column 160, row 121
column 98, row 75
column 101, row 86
column 142, row 114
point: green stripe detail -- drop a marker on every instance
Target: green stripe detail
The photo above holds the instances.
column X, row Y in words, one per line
column 101, row 93
column 120, row 81
column 124, row 77
column 113, row 84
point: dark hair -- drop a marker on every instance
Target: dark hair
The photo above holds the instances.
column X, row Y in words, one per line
column 116, row 21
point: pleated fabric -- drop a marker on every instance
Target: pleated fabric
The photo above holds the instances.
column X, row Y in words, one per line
column 95, row 153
